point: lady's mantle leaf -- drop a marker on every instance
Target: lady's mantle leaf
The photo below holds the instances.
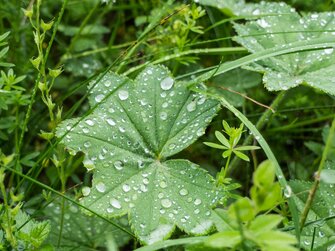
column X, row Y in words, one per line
column 134, row 127
column 314, row 68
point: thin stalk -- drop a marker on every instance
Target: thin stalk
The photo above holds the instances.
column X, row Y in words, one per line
column 207, row 51
column 260, row 124
column 33, row 95
column 302, row 124
column 82, row 26
column 69, row 199
column 315, row 186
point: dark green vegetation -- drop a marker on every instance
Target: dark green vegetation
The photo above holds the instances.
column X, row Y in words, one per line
column 174, row 125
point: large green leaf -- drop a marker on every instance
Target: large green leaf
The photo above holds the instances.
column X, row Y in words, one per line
column 314, row 68
column 134, row 127
column 323, row 207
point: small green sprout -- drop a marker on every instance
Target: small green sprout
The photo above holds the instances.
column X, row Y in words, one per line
column 230, row 147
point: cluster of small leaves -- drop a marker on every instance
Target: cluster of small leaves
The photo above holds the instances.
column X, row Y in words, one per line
column 133, row 128
column 241, row 227
column 230, row 147
column 11, row 94
column 17, row 230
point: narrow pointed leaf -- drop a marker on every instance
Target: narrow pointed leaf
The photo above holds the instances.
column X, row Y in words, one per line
column 246, row 148
column 241, row 155
column 222, row 139
column 214, row 145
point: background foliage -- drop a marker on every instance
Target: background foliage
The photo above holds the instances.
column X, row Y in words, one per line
column 59, row 62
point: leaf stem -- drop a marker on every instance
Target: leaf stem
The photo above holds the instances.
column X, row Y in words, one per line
column 260, row 124
column 314, row 188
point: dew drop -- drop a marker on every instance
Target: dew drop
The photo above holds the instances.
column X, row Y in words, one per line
column 329, row 51
column 111, row 122
column 163, row 115
column 87, row 144
column 99, row 98
column 172, row 146
column 183, row 192
column 140, row 164
column 107, row 83
column 288, row 191
column 162, row 184
column 126, row 188
column 123, row 95
column 197, row 202
column 166, row 203
column 197, row 211
column 86, row 130
column 101, row 187
column 89, row 164
column 167, row 83
column 122, row 129
column 191, row 106
column 115, row 203
column 109, row 210
column 118, row 165
column 89, row 122
column 86, row 191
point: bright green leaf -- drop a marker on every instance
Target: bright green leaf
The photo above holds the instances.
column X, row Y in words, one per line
column 225, row 154
column 134, row 127
column 265, row 222
column 264, row 174
column 222, row 139
column 227, row 239
column 214, row 145
column 241, row 155
column 274, row 238
column 246, row 148
column 222, row 220
column 243, row 210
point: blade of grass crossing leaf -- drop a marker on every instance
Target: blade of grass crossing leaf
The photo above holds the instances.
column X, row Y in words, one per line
column 312, row 44
column 171, row 243
column 67, row 198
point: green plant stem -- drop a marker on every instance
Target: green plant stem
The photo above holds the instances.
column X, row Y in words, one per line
column 315, row 186
column 216, row 51
column 33, row 95
column 81, row 28
column 302, row 124
column 260, row 124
